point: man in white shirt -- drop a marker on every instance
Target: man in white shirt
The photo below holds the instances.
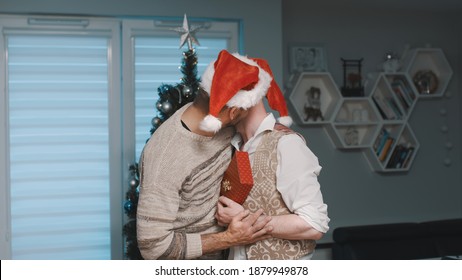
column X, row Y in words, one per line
column 285, row 175
column 284, row 169
column 293, row 197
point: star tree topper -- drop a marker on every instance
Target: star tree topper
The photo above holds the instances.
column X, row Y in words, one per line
column 188, row 33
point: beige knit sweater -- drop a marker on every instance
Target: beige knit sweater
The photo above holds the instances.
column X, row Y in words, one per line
column 180, row 175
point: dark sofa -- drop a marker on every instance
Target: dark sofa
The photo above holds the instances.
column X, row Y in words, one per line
column 399, row 241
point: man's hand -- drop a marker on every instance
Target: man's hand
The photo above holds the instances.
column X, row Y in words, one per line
column 244, row 228
column 227, row 209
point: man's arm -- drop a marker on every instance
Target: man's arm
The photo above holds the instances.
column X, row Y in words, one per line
column 297, row 181
column 293, row 227
column 289, row 226
column 245, row 228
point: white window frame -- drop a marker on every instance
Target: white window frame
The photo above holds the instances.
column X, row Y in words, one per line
column 66, row 25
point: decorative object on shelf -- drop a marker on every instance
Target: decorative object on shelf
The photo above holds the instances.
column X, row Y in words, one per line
column 307, row 59
column 313, row 104
column 343, row 115
column 392, row 63
column 324, row 95
column 426, row 81
column 356, row 115
column 352, row 136
column 360, row 115
column 352, row 84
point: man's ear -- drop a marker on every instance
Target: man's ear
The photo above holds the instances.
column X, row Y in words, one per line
column 233, row 112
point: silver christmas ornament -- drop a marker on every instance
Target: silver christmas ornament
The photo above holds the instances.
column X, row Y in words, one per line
column 159, row 105
column 156, row 121
column 133, row 183
column 166, row 107
column 186, row 91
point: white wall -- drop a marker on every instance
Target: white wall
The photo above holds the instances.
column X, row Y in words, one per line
column 354, row 193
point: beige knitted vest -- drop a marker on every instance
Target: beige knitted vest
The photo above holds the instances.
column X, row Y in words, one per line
column 265, row 195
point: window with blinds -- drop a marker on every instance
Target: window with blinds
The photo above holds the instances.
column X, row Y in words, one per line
column 59, row 150
column 68, row 131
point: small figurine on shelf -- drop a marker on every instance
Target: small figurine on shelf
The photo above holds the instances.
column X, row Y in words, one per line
column 351, row 136
column 392, row 63
column 352, row 85
column 425, row 81
column 313, row 104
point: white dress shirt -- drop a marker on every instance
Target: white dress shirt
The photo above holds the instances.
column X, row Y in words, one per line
column 297, row 172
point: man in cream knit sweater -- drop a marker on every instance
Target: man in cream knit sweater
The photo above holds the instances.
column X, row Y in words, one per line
column 180, row 172
column 182, row 165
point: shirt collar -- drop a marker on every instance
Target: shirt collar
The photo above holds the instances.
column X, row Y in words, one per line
column 267, row 124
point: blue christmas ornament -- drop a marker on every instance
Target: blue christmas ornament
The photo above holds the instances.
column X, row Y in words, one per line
column 128, row 206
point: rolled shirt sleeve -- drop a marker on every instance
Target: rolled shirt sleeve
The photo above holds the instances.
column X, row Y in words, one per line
column 297, row 181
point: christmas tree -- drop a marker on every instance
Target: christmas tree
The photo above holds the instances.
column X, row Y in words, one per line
column 171, row 98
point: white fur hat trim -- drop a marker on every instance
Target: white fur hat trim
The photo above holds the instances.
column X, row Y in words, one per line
column 286, row 120
column 210, row 124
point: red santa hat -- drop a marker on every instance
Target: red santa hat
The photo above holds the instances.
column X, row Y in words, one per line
column 234, row 80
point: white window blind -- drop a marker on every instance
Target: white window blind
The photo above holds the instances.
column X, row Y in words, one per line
column 59, row 146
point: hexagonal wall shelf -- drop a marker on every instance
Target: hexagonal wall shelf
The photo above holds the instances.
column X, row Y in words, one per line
column 377, row 123
column 354, row 125
column 430, row 71
column 394, row 148
column 314, row 94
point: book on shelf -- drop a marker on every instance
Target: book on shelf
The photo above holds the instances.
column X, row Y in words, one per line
column 386, row 148
column 402, row 157
column 382, row 113
column 399, row 155
column 395, row 108
column 405, row 86
column 384, row 109
column 399, row 89
column 401, row 99
column 408, row 157
column 380, row 141
column 395, row 156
